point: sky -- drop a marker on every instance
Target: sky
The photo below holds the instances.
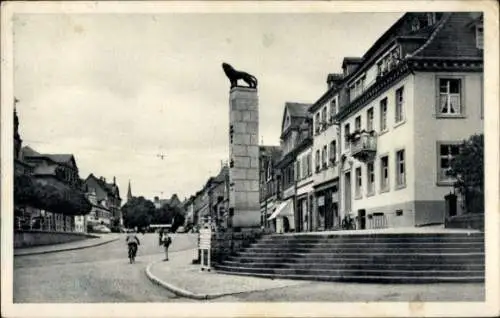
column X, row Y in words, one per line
column 118, row 90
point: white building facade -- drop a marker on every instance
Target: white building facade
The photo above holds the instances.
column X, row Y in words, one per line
column 416, row 95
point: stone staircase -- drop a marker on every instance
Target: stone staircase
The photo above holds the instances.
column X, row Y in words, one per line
column 388, row 258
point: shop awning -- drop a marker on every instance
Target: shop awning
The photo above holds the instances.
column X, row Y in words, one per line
column 285, row 209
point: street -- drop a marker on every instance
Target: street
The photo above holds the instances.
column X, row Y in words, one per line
column 96, row 274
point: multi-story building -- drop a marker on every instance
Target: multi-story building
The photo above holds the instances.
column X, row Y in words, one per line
column 413, row 97
column 304, row 178
column 189, row 208
column 269, row 182
column 326, row 149
column 294, row 115
column 108, row 192
column 100, row 213
column 218, row 197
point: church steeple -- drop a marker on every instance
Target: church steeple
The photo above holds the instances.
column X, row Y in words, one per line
column 129, row 192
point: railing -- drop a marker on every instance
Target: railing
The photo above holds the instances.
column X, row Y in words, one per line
column 364, row 143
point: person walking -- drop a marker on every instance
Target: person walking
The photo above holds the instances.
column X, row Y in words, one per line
column 166, row 241
column 160, row 237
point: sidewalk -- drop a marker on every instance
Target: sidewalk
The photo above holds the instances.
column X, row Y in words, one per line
column 91, row 242
column 187, row 280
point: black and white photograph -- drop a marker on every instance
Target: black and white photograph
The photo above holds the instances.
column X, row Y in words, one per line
column 230, row 159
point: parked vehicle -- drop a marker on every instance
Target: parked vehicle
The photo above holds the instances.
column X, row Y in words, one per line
column 101, row 229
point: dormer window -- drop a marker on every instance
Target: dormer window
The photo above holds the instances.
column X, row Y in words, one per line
column 479, row 36
column 389, row 61
column 415, row 24
column 431, row 18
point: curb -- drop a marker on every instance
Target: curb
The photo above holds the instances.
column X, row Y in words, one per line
column 68, row 249
column 177, row 290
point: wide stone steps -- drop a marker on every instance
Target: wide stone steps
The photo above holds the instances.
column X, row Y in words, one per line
column 352, row 272
column 403, row 258
column 362, row 249
column 363, row 278
column 328, row 258
column 359, row 266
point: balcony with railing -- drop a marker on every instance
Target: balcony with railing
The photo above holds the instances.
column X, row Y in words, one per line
column 363, row 145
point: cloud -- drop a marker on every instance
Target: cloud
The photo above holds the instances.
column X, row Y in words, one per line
column 117, row 90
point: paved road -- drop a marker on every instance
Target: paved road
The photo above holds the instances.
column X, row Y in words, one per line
column 97, row 274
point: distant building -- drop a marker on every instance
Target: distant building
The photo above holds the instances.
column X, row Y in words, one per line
column 173, row 201
column 294, row 116
column 270, row 182
column 107, row 195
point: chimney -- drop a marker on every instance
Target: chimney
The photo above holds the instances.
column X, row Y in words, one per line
column 114, row 180
column 334, row 80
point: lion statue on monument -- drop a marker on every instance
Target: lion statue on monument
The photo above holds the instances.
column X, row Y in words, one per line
column 235, row 75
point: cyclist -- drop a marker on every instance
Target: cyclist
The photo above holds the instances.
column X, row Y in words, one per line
column 133, row 243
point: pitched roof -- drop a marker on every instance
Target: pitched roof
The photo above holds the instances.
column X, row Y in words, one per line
column 111, row 189
column 27, row 151
column 297, row 109
column 271, row 151
column 453, row 37
column 59, row 158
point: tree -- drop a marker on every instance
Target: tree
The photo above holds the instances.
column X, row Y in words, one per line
column 169, row 214
column 468, row 169
column 138, row 212
column 50, row 197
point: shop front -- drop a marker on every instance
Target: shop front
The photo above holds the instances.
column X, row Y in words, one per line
column 327, row 207
column 303, row 215
column 283, row 216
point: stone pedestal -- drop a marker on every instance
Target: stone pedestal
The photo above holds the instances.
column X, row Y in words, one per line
column 244, row 206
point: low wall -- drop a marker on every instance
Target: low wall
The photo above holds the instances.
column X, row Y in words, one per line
column 38, row 238
column 466, row 221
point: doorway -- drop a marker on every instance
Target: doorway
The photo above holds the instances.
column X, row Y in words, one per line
column 362, row 219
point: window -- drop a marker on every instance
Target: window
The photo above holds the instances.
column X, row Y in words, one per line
column 369, row 119
column 359, row 182
column 415, row 24
column 333, row 108
column 384, row 173
column 479, row 37
column 297, row 170
column 399, row 105
column 446, row 154
column 370, row 171
column 357, row 123
column 317, row 160
column 388, row 62
column 346, row 135
column 323, row 118
column 333, row 151
column 309, row 170
column 431, row 18
column 400, row 169
column 383, row 114
column 316, row 122
column 449, row 96
column 323, row 157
